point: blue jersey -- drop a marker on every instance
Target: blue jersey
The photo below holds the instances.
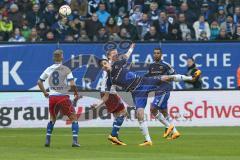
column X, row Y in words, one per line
column 160, row 68
column 121, row 76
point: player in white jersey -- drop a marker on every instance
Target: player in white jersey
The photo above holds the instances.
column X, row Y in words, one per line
column 113, row 103
column 58, row 76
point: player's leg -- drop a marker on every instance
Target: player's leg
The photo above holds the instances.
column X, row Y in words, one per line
column 116, row 106
column 175, row 133
column 68, row 109
column 53, row 110
column 119, row 117
column 140, row 100
column 160, row 102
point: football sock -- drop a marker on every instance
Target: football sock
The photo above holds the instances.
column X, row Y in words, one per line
column 50, row 126
column 117, row 125
column 168, row 118
column 75, row 130
column 162, row 119
column 144, row 129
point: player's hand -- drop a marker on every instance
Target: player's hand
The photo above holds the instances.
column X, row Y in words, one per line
column 76, row 97
column 133, row 45
column 46, row 95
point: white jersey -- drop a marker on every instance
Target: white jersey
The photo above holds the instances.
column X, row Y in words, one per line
column 104, row 84
column 57, row 75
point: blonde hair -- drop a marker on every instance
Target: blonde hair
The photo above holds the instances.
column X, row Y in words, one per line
column 58, row 55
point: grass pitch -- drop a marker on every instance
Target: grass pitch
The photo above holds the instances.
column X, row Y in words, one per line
column 196, row 143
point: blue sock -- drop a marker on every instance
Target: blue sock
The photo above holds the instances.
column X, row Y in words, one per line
column 49, row 132
column 75, row 130
column 116, row 126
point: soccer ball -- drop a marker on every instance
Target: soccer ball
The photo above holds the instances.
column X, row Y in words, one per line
column 65, row 10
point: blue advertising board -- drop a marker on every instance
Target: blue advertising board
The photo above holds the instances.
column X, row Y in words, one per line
column 22, row 64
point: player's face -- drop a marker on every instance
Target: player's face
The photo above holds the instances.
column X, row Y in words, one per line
column 106, row 65
column 190, row 62
column 157, row 55
column 113, row 55
column 58, row 57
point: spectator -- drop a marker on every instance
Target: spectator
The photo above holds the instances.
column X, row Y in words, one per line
column 143, row 26
column 203, row 36
column 24, row 5
column 206, row 12
column 223, row 35
column 220, row 16
column 175, row 33
column 34, row 37
column 111, row 26
column 236, row 36
column 102, row 35
column 61, row 29
column 80, row 7
column 83, row 36
column 131, row 29
column 92, row 26
column 137, row 15
column 154, row 12
column 15, row 16
column 200, row 26
column 214, row 30
column 190, row 16
column 191, row 70
column 50, row 15
column 152, row 35
column 75, row 28
column 103, row 15
column 26, row 31
column 49, row 37
column 6, row 26
column 42, row 29
column 229, row 25
column 185, row 28
column 120, row 16
column 124, row 34
column 163, row 26
column 17, row 37
column 35, row 16
column 236, row 16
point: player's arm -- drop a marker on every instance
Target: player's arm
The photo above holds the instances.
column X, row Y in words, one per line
column 73, row 86
column 129, row 52
column 42, row 78
column 103, row 100
column 42, row 88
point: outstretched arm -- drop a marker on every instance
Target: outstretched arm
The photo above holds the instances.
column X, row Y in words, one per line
column 129, row 52
column 104, row 99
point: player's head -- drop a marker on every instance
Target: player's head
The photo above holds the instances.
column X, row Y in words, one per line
column 58, row 56
column 112, row 55
column 157, row 54
column 190, row 61
column 104, row 64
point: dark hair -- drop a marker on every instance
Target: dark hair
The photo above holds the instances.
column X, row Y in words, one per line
column 101, row 60
column 158, row 49
column 191, row 59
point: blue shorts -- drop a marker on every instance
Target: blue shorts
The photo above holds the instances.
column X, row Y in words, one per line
column 161, row 100
column 148, row 84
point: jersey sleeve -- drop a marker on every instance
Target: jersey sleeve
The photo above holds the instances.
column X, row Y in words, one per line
column 44, row 75
column 171, row 70
column 70, row 76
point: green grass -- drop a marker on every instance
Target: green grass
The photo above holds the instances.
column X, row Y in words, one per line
column 196, row 143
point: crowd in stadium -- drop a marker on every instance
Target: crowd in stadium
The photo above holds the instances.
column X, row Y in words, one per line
column 104, row 20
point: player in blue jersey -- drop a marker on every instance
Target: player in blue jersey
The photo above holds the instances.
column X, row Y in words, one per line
column 159, row 105
column 120, row 75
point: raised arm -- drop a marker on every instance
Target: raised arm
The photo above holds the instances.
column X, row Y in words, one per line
column 129, row 52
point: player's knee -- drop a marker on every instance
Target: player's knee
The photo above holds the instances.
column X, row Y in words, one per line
column 140, row 114
column 73, row 117
column 53, row 119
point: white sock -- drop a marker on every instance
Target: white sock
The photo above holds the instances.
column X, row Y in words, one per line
column 162, row 119
column 170, row 121
column 144, row 129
